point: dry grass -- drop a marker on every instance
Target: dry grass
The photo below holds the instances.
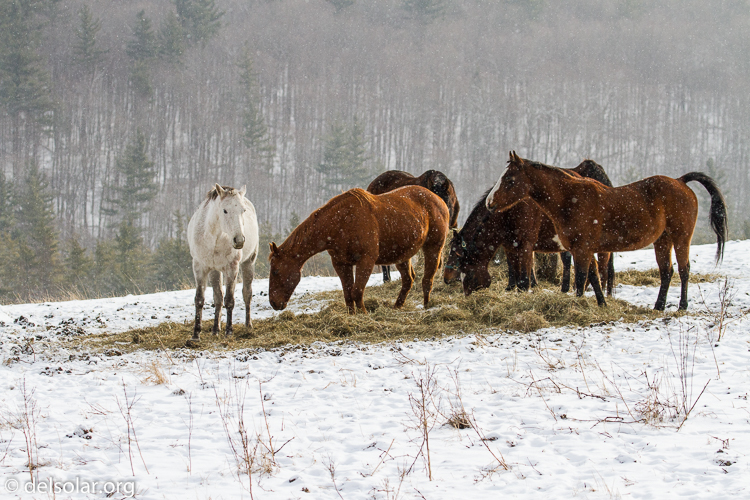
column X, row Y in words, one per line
column 450, row 313
column 651, row 278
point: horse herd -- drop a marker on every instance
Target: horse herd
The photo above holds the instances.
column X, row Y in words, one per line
column 532, row 208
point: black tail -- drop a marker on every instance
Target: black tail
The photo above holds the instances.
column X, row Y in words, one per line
column 718, row 216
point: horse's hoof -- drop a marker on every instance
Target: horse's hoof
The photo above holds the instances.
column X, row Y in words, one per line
column 193, row 343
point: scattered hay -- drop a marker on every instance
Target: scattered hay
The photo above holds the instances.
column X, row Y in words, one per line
column 154, row 374
column 450, row 313
column 651, row 278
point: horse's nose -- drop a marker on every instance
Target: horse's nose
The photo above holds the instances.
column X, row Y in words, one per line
column 238, row 241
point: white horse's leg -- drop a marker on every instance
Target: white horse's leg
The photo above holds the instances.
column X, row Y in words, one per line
column 231, row 274
column 215, row 280
column 248, row 273
column 200, row 287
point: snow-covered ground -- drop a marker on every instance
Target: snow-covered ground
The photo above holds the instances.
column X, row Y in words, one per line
column 563, row 412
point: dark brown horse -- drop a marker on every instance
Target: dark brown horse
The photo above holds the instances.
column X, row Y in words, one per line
column 360, row 230
column 520, row 231
column 433, row 180
column 590, row 217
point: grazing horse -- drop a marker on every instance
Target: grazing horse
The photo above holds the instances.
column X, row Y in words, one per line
column 359, row 230
column 433, row 180
column 223, row 239
column 590, row 217
column 520, row 231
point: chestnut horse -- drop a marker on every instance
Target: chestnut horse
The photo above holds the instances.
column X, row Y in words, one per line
column 520, row 231
column 360, row 230
column 590, row 217
column 433, row 180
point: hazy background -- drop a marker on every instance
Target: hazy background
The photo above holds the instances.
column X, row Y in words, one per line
column 126, row 131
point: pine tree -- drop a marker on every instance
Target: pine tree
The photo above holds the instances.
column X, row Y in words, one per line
column 132, row 258
column 344, row 157
column 340, row 5
column 137, row 186
column 426, row 11
column 36, row 234
column 201, row 19
column 255, row 132
column 79, row 266
column 87, row 54
column 172, row 265
column 142, row 47
column 171, row 39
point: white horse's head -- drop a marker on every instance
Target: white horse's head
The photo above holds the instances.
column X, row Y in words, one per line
column 231, row 210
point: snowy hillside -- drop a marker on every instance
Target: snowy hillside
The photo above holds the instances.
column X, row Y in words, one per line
column 593, row 412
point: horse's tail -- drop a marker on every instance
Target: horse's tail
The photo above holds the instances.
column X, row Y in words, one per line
column 718, row 215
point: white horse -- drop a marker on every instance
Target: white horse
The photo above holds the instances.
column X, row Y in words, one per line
column 223, row 238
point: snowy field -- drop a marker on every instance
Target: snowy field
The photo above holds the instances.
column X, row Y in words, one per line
column 593, row 412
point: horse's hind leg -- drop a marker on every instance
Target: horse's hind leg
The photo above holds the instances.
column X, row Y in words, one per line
column 682, row 252
column 248, row 273
column 595, row 283
column 566, row 260
column 363, row 272
column 386, row 273
column 407, row 279
column 663, row 251
column 214, row 278
column 200, row 289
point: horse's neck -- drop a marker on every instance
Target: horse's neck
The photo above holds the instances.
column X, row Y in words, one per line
column 304, row 240
column 478, row 230
column 545, row 191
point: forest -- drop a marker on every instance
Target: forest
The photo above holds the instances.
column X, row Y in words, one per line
column 116, row 118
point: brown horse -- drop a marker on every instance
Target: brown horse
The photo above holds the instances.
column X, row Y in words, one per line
column 433, row 180
column 360, row 230
column 520, row 231
column 590, row 217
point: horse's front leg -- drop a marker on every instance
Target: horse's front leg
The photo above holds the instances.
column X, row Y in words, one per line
column 566, row 260
column 215, row 279
column 364, row 270
column 581, row 261
column 248, row 273
column 595, row 283
column 231, row 274
column 200, row 288
column 346, row 275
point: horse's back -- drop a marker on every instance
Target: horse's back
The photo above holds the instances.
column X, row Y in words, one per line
column 390, row 180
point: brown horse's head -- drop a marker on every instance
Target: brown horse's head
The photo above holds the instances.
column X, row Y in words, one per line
column 439, row 184
column 286, row 272
column 512, row 187
column 475, row 278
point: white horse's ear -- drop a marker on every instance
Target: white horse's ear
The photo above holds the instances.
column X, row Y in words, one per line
column 219, row 190
column 243, row 190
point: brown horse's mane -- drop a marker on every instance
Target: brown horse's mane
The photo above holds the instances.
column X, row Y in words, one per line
column 302, row 232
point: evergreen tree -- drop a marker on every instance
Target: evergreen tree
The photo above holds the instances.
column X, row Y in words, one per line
column 200, row 19
column 131, row 259
column 255, row 132
column 340, row 5
column 105, row 268
column 87, row 54
column 171, row 39
column 172, row 265
column 24, row 83
column 136, row 186
column 426, row 11
column 7, row 219
column 79, row 266
column 36, row 236
column 344, row 157
column 142, row 47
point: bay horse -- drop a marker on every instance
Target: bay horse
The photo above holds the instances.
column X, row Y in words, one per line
column 223, row 239
column 520, row 231
column 359, row 230
column 435, row 181
column 590, row 217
